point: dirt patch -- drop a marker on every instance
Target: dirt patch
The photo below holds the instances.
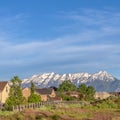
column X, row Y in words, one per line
column 102, row 116
column 105, row 116
column 36, row 112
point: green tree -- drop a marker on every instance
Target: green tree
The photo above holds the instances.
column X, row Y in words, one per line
column 32, row 88
column 15, row 95
column 34, row 98
column 66, row 86
column 86, row 92
column 90, row 93
column 82, row 89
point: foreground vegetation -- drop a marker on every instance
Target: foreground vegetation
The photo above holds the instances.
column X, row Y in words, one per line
column 104, row 110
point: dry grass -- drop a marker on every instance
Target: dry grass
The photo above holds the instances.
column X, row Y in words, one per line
column 65, row 112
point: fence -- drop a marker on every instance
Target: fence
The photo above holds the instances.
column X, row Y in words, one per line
column 19, row 108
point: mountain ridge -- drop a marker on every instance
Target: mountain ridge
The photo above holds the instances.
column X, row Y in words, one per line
column 101, row 81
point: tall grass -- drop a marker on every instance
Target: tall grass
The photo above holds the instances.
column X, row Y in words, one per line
column 60, row 111
column 6, row 113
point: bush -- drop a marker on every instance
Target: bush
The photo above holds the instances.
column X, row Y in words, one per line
column 55, row 117
column 34, row 98
column 107, row 104
column 38, row 117
column 53, row 107
column 66, row 97
column 20, row 117
column 117, row 101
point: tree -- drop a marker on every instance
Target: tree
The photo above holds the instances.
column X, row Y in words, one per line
column 90, row 93
column 66, row 86
column 32, row 88
column 86, row 92
column 82, row 88
column 34, row 98
column 15, row 95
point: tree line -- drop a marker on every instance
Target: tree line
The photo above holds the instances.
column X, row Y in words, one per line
column 85, row 92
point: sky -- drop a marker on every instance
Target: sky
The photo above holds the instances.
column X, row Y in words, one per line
column 61, row 36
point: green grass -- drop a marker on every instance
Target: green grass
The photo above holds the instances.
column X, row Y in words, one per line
column 58, row 112
column 6, row 113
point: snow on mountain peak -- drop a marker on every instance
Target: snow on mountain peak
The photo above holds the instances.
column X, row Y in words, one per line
column 103, row 75
column 54, row 79
column 102, row 72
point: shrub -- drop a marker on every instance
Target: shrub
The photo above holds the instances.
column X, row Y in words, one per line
column 117, row 101
column 107, row 104
column 55, row 117
column 34, row 98
column 53, row 107
column 20, row 117
column 66, row 97
column 38, row 117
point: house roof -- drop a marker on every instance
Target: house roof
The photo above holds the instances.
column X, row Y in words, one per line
column 2, row 85
column 25, row 88
column 44, row 91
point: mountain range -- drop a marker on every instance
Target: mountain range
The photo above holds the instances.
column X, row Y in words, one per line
column 101, row 81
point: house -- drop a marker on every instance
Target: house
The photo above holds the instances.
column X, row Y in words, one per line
column 101, row 95
column 56, row 99
column 4, row 91
column 45, row 93
column 115, row 94
column 26, row 92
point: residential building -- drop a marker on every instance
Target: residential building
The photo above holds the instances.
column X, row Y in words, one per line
column 26, row 92
column 101, row 95
column 115, row 94
column 45, row 93
column 4, row 91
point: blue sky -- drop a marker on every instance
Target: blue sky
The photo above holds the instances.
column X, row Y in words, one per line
column 62, row 36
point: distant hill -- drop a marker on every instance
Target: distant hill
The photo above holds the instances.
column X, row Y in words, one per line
column 101, row 81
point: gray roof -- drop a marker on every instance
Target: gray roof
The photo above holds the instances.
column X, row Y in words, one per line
column 44, row 91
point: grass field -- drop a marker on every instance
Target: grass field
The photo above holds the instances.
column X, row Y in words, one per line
column 63, row 112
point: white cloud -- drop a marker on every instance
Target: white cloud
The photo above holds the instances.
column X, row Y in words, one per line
column 55, row 50
column 95, row 46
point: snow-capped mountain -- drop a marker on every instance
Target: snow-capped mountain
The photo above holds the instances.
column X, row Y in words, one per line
column 101, row 81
